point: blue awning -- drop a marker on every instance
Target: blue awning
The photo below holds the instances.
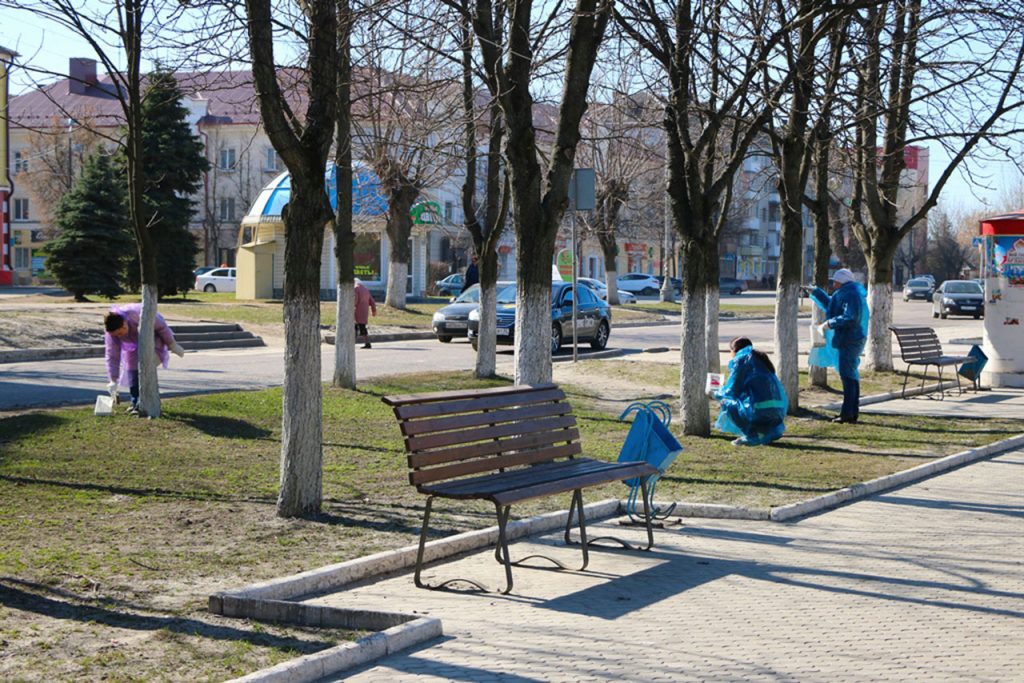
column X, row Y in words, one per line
column 367, row 197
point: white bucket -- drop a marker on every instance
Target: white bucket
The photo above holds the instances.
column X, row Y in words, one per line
column 713, row 383
column 104, row 405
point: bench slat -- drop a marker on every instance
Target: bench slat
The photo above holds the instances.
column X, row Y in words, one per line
column 520, row 389
column 464, row 405
column 441, row 424
column 490, row 464
column 430, row 441
column 515, row 443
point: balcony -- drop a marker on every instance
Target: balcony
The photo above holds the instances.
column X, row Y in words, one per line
column 751, row 250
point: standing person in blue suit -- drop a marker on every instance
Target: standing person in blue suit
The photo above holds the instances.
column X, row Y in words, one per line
column 846, row 310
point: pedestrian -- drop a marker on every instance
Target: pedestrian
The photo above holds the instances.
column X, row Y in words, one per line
column 846, row 312
column 753, row 401
column 364, row 304
column 121, row 343
column 472, row 275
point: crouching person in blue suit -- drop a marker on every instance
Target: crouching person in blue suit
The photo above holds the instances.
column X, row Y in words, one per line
column 753, row 401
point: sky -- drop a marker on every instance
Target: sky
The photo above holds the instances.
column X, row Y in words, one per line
column 49, row 48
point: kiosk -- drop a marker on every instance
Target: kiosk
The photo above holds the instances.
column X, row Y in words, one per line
column 1003, row 269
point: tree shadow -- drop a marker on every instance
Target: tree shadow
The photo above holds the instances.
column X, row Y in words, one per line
column 26, row 596
column 130, row 491
column 218, row 425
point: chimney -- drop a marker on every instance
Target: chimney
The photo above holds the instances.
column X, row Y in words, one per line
column 81, row 74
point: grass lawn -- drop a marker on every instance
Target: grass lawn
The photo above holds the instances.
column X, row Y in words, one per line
column 115, row 530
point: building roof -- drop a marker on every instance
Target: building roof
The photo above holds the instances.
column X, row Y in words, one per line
column 230, row 98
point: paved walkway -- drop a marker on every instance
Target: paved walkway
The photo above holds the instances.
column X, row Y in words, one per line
column 924, row 583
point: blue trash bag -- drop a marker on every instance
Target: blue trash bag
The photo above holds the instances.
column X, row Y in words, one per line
column 649, row 440
column 753, row 401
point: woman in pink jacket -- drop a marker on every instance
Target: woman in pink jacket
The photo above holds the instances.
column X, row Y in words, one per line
column 122, row 348
column 364, row 304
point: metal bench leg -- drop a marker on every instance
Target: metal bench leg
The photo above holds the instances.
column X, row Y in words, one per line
column 502, row 555
column 647, row 514
column 420, row 552
column 906, row 376
column 503, row 544
column 942, row 389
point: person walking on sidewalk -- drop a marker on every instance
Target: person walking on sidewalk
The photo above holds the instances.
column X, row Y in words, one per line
column 472, row 275
column 121, row 345
column 364, row 304
column 846, row 312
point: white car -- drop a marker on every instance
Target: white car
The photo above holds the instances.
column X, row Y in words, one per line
column 217, row 280
column 639, row 283
column 601, row 289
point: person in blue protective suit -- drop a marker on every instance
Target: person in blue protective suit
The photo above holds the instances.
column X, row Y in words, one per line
column 846, row 311
column 754, row 403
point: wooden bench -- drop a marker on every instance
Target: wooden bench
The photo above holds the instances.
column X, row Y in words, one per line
column 505, row 445
column 921, row 346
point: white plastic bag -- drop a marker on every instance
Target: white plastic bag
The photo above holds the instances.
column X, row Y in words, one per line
column 104, row 405
column 713, row 383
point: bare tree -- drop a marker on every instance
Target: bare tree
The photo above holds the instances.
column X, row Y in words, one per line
column 539, row 191
column 712, row 115
column 118, row 33
column 942, row 71
column 344, row 236
column 303, row 143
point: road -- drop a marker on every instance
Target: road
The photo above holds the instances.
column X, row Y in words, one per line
column 77, row 382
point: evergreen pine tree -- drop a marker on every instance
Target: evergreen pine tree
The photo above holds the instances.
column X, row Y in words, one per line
column 93, row 243
column 173, row 166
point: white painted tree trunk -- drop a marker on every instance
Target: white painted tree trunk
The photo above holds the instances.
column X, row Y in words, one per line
column 818, row 376
column 693, row 365
column 787, row 338
column 879, row 347
column 487, row 347
column 611, row 278
column 345, row 337
column 149, row 383
column 533, row 335
column 713, row 310
column 398, row 276
column 302, row 409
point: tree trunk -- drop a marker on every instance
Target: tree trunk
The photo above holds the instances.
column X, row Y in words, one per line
column 822, row 257
column 399, row 232
column 713, row 310
column 693, row 363
column 302, row 412
column 345, row 335
column 149, row 383
column 487, row 346
column 787, row 304
column 533, row 330
column 611, row 277
column 879, row 347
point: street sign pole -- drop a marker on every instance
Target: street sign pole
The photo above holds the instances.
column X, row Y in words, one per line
column 581, row 198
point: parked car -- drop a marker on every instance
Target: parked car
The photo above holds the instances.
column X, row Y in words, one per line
column 203, row 270
column 639, row 283
column 677, row 284
column 452, row 320
column 958, row 297
column 601, row 289
column 217, row 280
column 593, row 317
column 918, row 288
column 450, row 286
column 731, row 285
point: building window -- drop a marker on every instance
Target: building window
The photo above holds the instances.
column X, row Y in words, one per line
column 21, row 258
column 227, row 209
column 21, row 209
column 20, row 162
column 227, row 159
column 773, row 212
column 270, row 159
column 449, row 212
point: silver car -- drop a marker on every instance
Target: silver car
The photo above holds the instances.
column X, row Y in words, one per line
column 918, row 288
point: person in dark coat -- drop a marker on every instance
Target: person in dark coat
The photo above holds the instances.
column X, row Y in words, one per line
column 846, row 310
column 472, row 274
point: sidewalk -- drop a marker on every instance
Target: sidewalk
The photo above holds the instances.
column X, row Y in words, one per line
column 921, row 582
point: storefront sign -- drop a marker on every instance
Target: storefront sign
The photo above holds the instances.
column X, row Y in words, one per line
column 1008, row 259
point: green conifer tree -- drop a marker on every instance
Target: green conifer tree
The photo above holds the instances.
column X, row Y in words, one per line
column 173, row 163
column 93, row 243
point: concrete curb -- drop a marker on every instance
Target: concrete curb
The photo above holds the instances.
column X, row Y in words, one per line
column 64, row 353
column 785, row 513
column 275, row 600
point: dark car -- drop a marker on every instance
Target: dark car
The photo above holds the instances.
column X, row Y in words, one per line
column 918, row 288
column 958, row 297
column 450, row 285
column 677, row 284
column 453, row 320
column 731, row 285
column 593, row 317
